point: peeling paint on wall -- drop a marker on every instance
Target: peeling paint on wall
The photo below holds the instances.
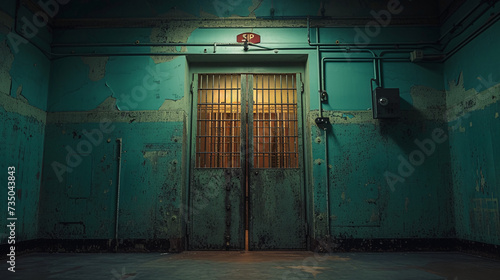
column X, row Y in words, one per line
column 170, row 111
column 255, row 5
column 461, row 101
column 6, row 22
column 119, row 117
column 97, row 67
column 20, row 106
column 173, row 31
column 174, row 105
column 153, row 156
column 109, row 104
column 428, row 98
column 5, row 64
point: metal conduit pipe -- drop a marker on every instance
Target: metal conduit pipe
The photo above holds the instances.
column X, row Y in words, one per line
column 85, row 45
column 459, row 23
column 374, row 58
column 470, row 24
column 15, row 29
column 368, row 45
column 399, row 45
column 471, row 37
column 327, row 188
column 60, row 56
column 185, row 210
column 327, row 171
column 320, row 88
column 118, row 182
column 378, row 77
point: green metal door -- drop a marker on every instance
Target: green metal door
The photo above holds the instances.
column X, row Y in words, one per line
column 246, row 163
column 218, row 162
column 276, row 185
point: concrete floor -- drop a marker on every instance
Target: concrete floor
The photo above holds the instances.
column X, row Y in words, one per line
column 254, row 265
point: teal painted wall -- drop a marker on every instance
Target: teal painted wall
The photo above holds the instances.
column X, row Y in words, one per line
column 242, row 8
column 79, row 196
column 360, row 149
column 356, row 186
column 472, row 95
column 364, row 203
column 24, row 82
column 137, row 83
column 22, row 148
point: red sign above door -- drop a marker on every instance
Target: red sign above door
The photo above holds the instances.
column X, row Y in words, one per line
column 248, row 37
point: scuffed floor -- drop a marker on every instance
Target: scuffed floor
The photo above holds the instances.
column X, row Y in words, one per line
column 254, row 265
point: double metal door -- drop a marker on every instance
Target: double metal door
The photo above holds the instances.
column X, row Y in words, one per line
column 246, row 187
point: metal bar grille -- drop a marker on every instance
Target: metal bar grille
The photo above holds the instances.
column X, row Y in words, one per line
column 219, row 121
column 275, row 124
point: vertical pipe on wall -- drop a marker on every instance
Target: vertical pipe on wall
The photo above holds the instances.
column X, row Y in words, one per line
column 327, row 189
column 320, row 90
column 119, row 140
column 189, row 132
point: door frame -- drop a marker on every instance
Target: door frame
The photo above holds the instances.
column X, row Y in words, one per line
column 284, row 67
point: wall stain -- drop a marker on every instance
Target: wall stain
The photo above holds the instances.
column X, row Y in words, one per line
column 5, row 66
column 97, row 67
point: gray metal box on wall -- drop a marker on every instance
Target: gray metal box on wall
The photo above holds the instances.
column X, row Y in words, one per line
column 385, row 103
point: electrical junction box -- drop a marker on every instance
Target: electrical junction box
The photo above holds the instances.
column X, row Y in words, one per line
column 416, row 56
column 385, row 103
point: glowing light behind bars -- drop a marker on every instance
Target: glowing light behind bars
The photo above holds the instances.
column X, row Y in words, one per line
column 275, row 125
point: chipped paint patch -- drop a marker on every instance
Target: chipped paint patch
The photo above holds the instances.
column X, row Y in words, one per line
column 255, row 5
column 6, row 22
column 120, row 117
column 97, row 67
column 345, row 116
column 375, row 217
column 337, row 117
column 21, row 107
column 153, row 156
column 109, row 104
column 173, row 105
column 496, row 115
column 427, row 98
column 108, row 110
column 5, row 66
column 319, row 161
column 482, row 180
column 173, row 31
column 461, row 101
